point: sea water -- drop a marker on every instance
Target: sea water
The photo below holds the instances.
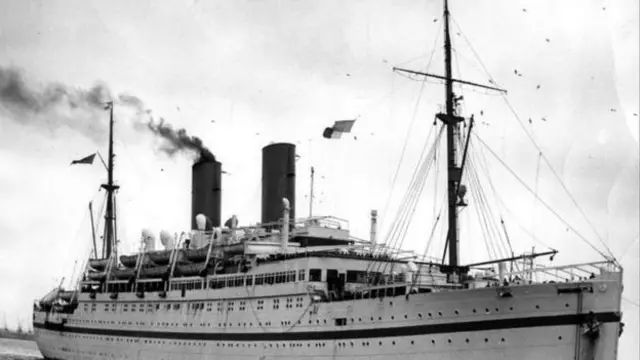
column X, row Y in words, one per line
column 13, row 349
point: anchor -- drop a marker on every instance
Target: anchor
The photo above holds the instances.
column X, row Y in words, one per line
column 592, row 327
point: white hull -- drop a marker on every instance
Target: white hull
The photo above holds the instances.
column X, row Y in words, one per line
column 536, row 322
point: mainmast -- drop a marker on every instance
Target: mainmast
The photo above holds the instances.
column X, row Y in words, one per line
column 110, row 187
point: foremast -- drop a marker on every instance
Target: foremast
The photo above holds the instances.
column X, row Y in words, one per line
column 451, row 122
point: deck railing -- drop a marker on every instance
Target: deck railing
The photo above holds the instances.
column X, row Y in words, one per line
column 563, row 273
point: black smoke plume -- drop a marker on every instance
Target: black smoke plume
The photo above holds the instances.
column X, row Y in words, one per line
column 178, row 140
column 57, row 105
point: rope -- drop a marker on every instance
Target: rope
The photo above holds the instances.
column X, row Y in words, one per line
column 541, row 201
column 531, row 138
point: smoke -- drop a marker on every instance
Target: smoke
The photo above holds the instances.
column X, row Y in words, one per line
column 58, row 106
column 178, row 140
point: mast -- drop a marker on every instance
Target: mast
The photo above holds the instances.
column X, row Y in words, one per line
column 110, row 187
column 311, row 195
column 453, row 171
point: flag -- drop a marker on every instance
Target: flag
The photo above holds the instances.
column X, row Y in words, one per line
column 84, row 160
column 338, row 128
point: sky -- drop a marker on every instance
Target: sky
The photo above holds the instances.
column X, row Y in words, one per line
column 240, row 75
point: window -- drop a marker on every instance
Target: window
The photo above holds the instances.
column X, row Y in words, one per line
column 269, row 279
column 276, row 304
column 291, row 276
column 260, row 304
column 259, row 279
column 280, row 278
column 249, row 280
column 239, row 281
column 301, row 274
column 176, row 306
column 341, row 321
column 315, row 275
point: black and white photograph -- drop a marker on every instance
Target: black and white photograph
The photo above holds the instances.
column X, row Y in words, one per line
column 316, row 180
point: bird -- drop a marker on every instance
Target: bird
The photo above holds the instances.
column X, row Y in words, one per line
column 435, row 20
column 178, row 107
column 604, row 8
column 213, row 121
column 524, row 10
column 515, row 71
column 355, row 138
column 538, row 87
column 348, row 75
column 257, row 133
column 547, row 40
column 635, row 114
column 544, row 119
column 458, row 33
column 385, row 61
column 481, row 112
column 161, row 169
column 612, row 110
column 530, row 122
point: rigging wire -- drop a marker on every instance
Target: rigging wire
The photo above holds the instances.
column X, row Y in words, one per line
column 532, row 139
column 413, row 195
column 540, row 200
column 535, row 202
column 406, row 139
column 505, row 240
column 397, row 233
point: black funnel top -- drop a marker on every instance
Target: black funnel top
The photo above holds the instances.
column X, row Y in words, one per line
column 278, row 180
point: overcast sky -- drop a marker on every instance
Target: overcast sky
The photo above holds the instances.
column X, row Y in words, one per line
column 243, row 74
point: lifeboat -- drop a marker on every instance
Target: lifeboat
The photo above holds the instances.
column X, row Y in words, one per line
column 192, row 269
column 98, row 264
column 131, row 260
column 96, row 276
column 124, row 274
column 154, row 271
column 197, row 255
column 67, row 295
column 160, row 257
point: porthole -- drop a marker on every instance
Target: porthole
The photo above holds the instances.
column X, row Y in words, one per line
column 559, row 337
column 456, row 312
column 503, row 340
column 474, row 311
column 486, row 340
column 449, row 341
column 537, row 306
column 467, row 341
column 566, row 305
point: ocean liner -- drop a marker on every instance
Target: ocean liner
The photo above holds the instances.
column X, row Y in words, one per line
column 304, row 288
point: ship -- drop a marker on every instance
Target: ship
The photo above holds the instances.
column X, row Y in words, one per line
column 305, row 288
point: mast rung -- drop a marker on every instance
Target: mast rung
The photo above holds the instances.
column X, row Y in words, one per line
column 449, row 119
